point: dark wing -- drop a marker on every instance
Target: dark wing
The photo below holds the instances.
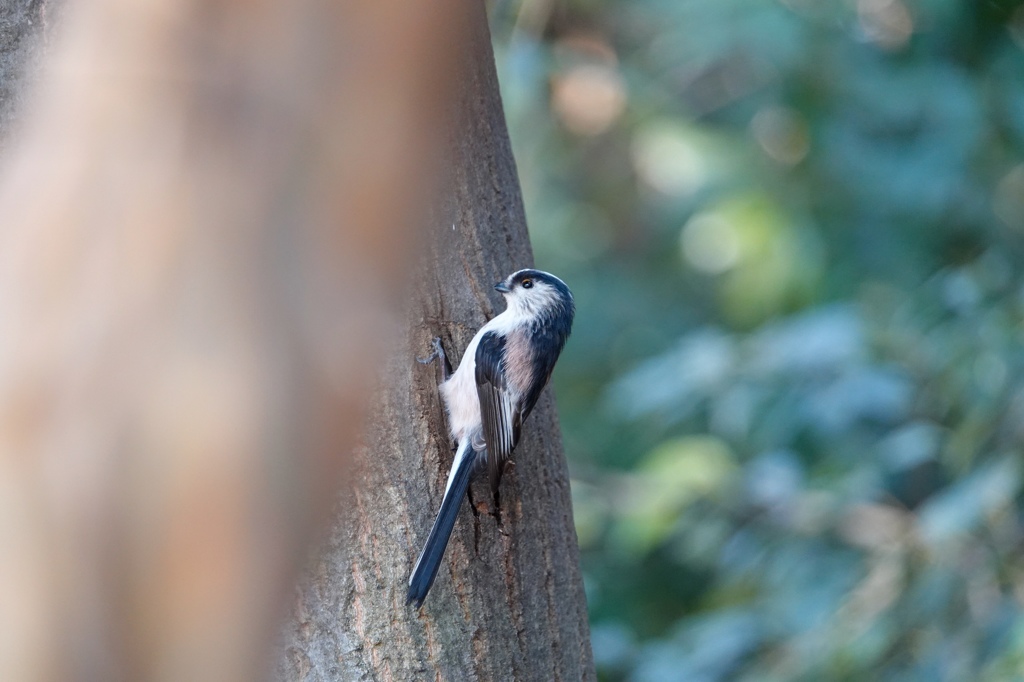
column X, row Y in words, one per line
column 501, row 418
column 547, row 342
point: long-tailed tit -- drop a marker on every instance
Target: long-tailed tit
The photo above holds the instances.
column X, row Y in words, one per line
column 491, row 394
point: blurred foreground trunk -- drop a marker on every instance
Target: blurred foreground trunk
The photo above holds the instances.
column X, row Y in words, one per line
column 206, row 219
column 508, row 602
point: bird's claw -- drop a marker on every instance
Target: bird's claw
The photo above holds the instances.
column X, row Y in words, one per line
column 438, row 352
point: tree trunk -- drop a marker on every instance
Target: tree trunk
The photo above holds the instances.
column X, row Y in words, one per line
column 21, row 24
column 508, row 602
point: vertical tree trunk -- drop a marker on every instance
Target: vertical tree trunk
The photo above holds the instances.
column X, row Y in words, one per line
column 22, row 23
column 508, row 602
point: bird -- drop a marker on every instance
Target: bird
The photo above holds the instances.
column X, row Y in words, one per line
column 497, row 384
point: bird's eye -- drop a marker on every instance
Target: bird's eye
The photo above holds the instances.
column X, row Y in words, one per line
column 527, row 283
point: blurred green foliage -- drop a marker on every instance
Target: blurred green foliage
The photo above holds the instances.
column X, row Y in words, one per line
column 793, row 401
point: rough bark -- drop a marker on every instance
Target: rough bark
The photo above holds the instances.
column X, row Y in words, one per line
column 508, row 602
column 22, row 25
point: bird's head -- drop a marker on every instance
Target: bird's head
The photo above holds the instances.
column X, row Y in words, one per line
column 535, row 292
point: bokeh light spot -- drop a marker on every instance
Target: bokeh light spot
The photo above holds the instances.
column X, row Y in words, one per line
column 669, row 161
column 710, row 243
column 782, row 134
column 589, row 98
column 886, row 23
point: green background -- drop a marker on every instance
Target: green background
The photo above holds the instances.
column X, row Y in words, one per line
column 792, row 402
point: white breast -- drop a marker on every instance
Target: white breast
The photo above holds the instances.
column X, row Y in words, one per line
column 459, row 392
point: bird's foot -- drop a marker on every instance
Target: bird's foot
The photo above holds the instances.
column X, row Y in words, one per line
column 438, row 352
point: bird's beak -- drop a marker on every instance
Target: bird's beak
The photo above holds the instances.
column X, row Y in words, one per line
column 502, row 287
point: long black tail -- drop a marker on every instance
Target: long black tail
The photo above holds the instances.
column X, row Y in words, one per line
column 425, row 570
